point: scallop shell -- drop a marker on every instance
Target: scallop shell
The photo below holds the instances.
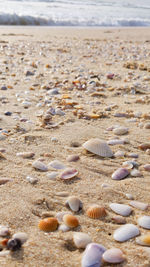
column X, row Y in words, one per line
column 92, row 256
column 68, row 173
column 81, row 240
column 70, row 220
column 121, row 209
column 56, row 164
column 39, row 166
column 144, row 222
column 48, row 224
column 113, row 255
column 74, row 203
column 120, row 131
column 98, row 147
column 126, row 232
column 139, row 205
column 120, row 174
column 96, row 212
column 143, row 240
column 21, row 236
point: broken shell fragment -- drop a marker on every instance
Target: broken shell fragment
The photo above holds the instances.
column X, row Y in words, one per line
column 98, row 147
column 48, row 224
column 121, row 209
column 139, row 205
column 74, row 203
column 70, row 220
column 120, row 174
column 39, row 166
column 143, row 240
column 96, row 212
column 81, row 240
column 144, row 222
column 92, row 256
column 68, row 173
column 126, row 232
column 113, row 255
column 119, row 220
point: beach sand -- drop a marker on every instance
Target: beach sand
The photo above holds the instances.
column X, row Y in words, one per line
column 95, row 89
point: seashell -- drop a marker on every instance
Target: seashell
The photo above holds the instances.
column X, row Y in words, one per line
column 139, row 205
column 74, row 203
column 63, row 228
column 21, row 236
column 133, row 155
column 25, row 155
column 135, row 173
column 126, row 232
column 115, row 142
column 130, row 162
column 96, row 212
column 62, row 194
column 68, row 173
column 52, row 175
column 14, row 244
column 144, row 146
column 120, row 174
column 73, row 158
column 92, row 256
column 70, row 220
column 4, row 253
column 98, row 147
column 143, row 240
column 121, row 209
column 144, row 222
column 60, row 215
column 48, row 224
column 38, row 165
column 147, row 125
column 129, row 196
column 81, row 240
column 4, row 231
column 120, row 131
column 119, row 154
column 147, row 167
column 119, row 220
column 113, row 255
column 56, row 164
column 5, row 180
column 31, row 180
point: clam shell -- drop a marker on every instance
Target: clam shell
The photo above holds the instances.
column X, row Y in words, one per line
column 81, row 240
column 114, row 142
column 70, row 220
column 96, row 212
column 21, row 236
column 120, row 131
column 120, row 174
column 73, row 158
column 126, row 232
column 56, row 164
column 68, row 173
column 144, row 222
column 38, row 165
column 135, row 173
column 48, row 224
column 52, row 175
column 121, row 209
column 113, row 255
column 98, row 147
column 143, row 240
column 92, row 256
column 139, row 205
column 74, row 203
column 147, row 167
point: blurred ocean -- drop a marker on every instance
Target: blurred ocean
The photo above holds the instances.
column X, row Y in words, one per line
column 75, row 12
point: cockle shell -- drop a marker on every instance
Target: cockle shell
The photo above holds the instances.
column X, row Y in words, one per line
column 74, row 203
column 121, row 209
column 143, row 240
column 81, row 240
column 48, row 224
column 92, row 256
column 70, row 220
column 120, row 130
column 21, row 236
column 56, row 164
column 96, row 212
column 113, row 255
column 126, row 232
column 68, row 173
column 98, row 147
column 139, row 205
column 25, row 155
column 39, row 166
column 144, row 222
column 120, row 174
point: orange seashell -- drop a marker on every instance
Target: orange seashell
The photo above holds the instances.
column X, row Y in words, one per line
column 96, row 212
column 48, row 224
column 70, row 220
column 4, row 242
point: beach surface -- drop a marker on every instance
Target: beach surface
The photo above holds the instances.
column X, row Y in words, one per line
column 60, row 87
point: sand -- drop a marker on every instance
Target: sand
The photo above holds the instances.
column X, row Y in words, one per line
column 77, row 62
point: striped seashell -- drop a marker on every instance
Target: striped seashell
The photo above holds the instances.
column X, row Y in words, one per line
column 81, row 240
column 92, row 256
column 120, row 174
column 48, row 224
column 74, row 203
column 98, row 147
column 120, row 131
column 144, row 222
column 113, row 255
column 143, row 240
column 96, row 212
column 126, row 232
column 70, row 220
column 139, row 205
column 68, row 173
column 121, row 209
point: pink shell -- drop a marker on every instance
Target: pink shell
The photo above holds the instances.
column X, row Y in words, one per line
column 68, row 173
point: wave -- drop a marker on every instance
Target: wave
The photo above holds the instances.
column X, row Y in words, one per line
column 14, row 19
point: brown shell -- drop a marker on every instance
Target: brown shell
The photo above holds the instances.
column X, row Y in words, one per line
column 48, row 224
column 96, row 212
column 144, row 146
column 70, row 220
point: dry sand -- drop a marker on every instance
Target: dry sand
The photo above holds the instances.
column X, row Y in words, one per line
column 76, row 61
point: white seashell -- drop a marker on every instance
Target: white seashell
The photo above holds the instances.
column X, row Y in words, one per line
column 119, row 220
column 92, row 256
column 139, row 205
column 39, row 166
column 120, row 174
column 74, row 203
column 120, row 131
column 133, row 155
column 73, row 158
column 135, row 173
column 126, row 232
column 60, row 215
column 147, row 167
column 144, row 222
column 21, row 236
column 113, row 255
column 121, row 209
column 98, row 147
column 114, row 142
column 129, row 196
column 52, row 175
column 63, row 228
column 119, row 154
column 81, row 240
column 4, row 231
column 25, row 155
column 143, row 240
column 68, row 173
column 31, row 180
column 4, row 253
column 56, row 164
